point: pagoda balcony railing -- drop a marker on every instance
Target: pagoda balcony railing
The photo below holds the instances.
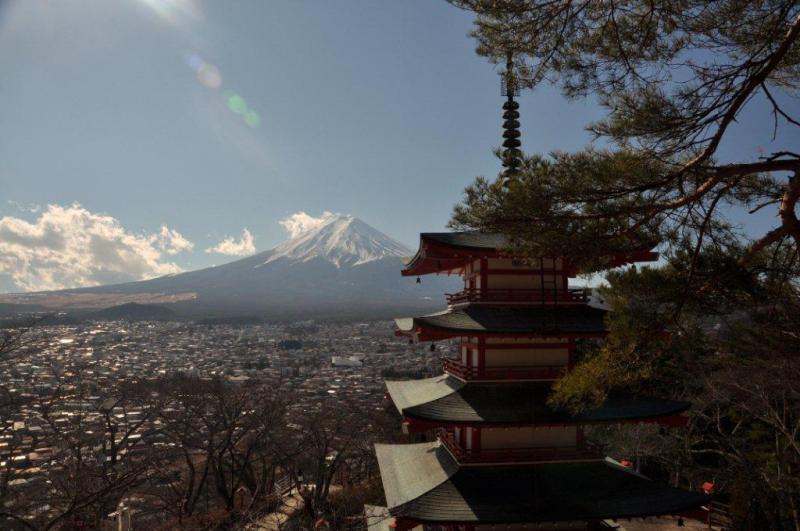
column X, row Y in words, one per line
column 583, row 452
column 532, row 372
column 519, row 296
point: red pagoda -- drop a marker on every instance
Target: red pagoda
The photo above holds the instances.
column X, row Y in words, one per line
column 498, row 456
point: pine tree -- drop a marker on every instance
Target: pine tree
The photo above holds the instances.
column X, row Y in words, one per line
column 718, row 315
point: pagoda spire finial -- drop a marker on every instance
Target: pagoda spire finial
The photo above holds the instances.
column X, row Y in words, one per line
column 512, row 156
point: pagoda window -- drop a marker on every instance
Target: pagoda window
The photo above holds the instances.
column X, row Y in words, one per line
column 472, row 284
column 531, row 357
column 529, row 437
column 548, row 264
column 526, row 340
column 509, row 281
column 506, row 263
column 475, row 357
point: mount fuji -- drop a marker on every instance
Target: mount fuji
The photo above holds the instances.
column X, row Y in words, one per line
column 339, row 268
column 344, row 241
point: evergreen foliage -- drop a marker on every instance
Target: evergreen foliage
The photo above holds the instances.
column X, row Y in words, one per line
column 716, row 320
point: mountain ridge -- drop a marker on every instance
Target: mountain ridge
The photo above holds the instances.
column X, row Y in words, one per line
column 341, row 266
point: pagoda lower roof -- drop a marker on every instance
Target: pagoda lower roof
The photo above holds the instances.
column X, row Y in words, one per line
column 424, row 483
column 447, row 400
column 484, row 319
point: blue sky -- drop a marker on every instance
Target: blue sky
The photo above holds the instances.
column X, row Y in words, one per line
column 379, row 109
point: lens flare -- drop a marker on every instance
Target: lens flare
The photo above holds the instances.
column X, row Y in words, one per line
column 252, row 118
column 173, row 10
column 236, row 103
column 209, row 76
column 194, row 61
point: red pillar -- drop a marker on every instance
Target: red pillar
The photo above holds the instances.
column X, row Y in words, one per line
column 481, row 356
column 484, row 275
column 580, row 437
column 571, row 349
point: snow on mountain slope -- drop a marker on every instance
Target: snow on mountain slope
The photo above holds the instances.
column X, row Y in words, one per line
column 341, row 240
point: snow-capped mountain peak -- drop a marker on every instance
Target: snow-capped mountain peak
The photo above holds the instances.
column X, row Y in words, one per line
column 342, row 240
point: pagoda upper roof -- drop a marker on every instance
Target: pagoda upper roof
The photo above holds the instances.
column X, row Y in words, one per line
column 445, row 251
column 424, row 483
column 485, row 319
column 442, row 252
column 447, row 400
column 468, row 240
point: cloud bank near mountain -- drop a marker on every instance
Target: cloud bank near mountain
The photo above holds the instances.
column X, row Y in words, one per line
column 300, row 222
column 343, row 269
column 230, row 246
column 69, row 246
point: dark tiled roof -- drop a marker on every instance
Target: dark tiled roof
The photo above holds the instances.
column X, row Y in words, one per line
column 536, row 320
column 535, row 493
column 408, row 471
column 447, row 251
column 473, row 240
column 443, row 251
column 448, row 399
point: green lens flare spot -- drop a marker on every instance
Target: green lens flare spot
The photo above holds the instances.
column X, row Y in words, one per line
column 237, row 104
column 252, row 118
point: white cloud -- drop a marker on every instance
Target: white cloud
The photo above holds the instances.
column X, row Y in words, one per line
column 33, row 207
column 69, row 246
column 300, row 222
column 230, row 246
column 171, row 241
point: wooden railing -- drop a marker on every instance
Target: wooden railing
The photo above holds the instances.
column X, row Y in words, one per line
column 532, row 372
column 719, row 516
column 519, row 296
column 585, row 452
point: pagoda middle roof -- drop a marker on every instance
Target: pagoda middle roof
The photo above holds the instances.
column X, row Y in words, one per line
column 552, row 320
column 423, row 482
column 446, row 399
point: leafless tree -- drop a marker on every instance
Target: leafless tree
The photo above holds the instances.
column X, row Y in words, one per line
column 330, row 448
column 220, row 435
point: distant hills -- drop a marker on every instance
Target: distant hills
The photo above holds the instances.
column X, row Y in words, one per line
column 342, row 269
column 132, row 311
